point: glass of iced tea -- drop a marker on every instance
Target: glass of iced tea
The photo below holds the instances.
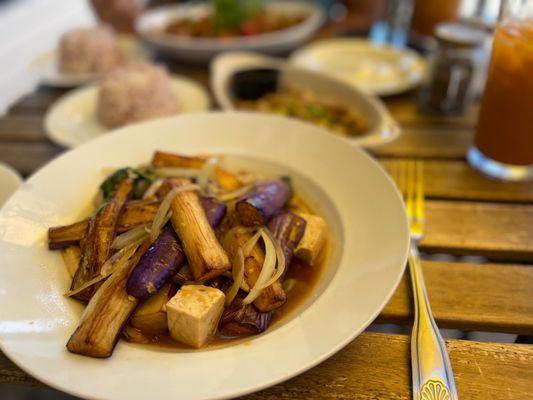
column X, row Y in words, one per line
column 503, row 144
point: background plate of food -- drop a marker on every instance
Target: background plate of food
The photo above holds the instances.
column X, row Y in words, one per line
column 130, row 93
column 199, row 30
column 378, row 69
column 84, row 55
column 247, row 81
column 364, row 233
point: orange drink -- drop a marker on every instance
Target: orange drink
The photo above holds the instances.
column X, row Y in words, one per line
column 504, row 136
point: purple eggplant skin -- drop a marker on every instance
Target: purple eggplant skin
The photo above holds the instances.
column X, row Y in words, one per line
column 288, row 228
column 215, row 210
column 264, row 200
column 165, row 257
column 163, row 260
column 243, row 319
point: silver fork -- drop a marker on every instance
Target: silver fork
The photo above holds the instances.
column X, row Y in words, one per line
column 431, row 368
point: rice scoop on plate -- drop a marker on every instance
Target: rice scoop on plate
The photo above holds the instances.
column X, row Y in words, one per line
column 135, row 92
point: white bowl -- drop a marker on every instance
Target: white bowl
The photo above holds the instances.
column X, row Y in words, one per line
column 72, row 119
column 383, row 127
column 369, row 238
column 377, row 69
column 150, row 27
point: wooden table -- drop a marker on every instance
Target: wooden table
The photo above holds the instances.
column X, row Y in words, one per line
column 467, row 214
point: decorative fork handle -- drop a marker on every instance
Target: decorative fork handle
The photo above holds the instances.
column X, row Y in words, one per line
column 431, row 368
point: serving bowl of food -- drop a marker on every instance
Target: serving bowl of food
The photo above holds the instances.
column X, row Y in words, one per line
column 247, row 81
column 199, row 30
column 217, row 246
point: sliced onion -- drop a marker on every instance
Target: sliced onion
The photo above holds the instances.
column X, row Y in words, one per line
column 176, row 172
column 228, row 196
column 153, row 188
column 266, row 271
column 116, row 261
column 129, row 237
column 238, row 275
column 249, row 245
column 280, row 265
column 206, row 172
column 160, row 218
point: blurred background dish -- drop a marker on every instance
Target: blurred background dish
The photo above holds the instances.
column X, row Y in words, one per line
column 48, row 68
column 241, row 80
column 183, row 43
column 378, row 69
column 75, row 119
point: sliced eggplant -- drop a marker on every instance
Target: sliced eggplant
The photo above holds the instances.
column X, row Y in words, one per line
column 135, row 213
column 166, row 257
column 288, row 228
column 214, row 210
column 239, row 319
column 206, row 257
column 96, row 245
column 106, row 314
column 263, row 201
column 163, row 260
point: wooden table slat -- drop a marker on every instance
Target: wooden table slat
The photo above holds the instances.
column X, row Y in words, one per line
column 428, row 142
column 456, row 180
column 376, row 366
column 27, row 157
column 489, row 297
column 37, row 102
column 21, row 128
column 498, row 231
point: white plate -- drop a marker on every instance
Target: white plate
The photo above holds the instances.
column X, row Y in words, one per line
column 368, row 231
column 151, row 23
column 381, row 70
column 383, row 127
column 72, row 119
column 45, row 66
column 10, row 181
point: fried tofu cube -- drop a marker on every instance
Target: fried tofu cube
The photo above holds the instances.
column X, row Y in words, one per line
column 193, row 314
column 313, row 239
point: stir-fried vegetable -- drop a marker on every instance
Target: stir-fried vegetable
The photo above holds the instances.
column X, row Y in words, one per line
column 160, row 261
column 106, row 314
column 96, row 245
column 207, row 259
column 262, row 202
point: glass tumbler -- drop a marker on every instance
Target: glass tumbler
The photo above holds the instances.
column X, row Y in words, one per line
column 503, row 144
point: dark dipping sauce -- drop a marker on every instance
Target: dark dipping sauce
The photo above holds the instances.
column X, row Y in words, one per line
column 300, row 282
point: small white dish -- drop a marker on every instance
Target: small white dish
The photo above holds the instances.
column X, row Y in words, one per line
column 150, row 27
column 380, row 70
column 383, row 127
column 369, row 239
column 72, row 119
column 46, row 68
column 10, row 180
